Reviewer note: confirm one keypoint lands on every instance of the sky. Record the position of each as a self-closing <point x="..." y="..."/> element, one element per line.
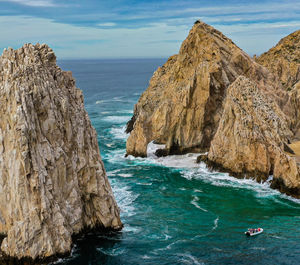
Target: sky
<point x="141" y="28"/>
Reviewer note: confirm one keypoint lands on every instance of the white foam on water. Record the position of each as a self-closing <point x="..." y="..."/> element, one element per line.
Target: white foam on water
<point x="225" y="180"/>
<point x="152" y="147"/>
<point x="128" y="111"/>
<point x="195" y="203"/>
<point x="112" y="251"/>
<point x="114" y="99"/>
<point x="119" y="132"/>
<point x="174" y="243"/>
<point x="216" y="221"/>
<point x="197" y="190"/>
<point x="278" y="237"/>
<point x="193" y="170"/>
<point x="174" y="161"/>
<point x="189" y="259"/>
<point x="113" y="172"/>
<point x="125" y="175"/>
<point x="262" y="189"/>
<point x="125" y="198"/>
<point x="117" y="119"/>
<point x="118" y="98"/>
<point x="129" y="229"/>
<point x="258" y="248"/>
<point x="144" y="183"/>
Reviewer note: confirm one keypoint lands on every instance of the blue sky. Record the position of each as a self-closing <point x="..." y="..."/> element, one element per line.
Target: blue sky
<point x="140" y="28"/>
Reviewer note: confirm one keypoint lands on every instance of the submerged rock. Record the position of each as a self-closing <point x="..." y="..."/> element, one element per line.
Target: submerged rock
<point x="184" y="102"/>
<point x="52" y="181"/>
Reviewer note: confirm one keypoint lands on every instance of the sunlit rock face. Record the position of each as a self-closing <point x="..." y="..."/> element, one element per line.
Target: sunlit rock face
<point x="52" y="180"/>
<point x="251" y="138"/>
<point x="183" y="104"/>
<point x="212" y="97"/>
<point x="284" y="61"/>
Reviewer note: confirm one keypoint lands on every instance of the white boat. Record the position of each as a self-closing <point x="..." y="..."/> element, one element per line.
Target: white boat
<point x="254" y="231"/>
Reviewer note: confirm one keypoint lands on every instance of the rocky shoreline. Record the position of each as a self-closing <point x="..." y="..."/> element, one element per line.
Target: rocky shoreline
<point x="212" y="97"/>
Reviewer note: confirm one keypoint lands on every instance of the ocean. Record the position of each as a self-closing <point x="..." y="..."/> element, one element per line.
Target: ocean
<point x="174" y="211"/>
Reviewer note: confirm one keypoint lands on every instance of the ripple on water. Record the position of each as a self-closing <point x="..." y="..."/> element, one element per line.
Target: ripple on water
<point x="196" y="204"/>
<point x="261" y="190"/>
<point x="112" y="251"/>
<point x="116" y="119"/>
<point x="187" y="258"/>
<point x="125" y="198"/>
<point x="119" y="132"/>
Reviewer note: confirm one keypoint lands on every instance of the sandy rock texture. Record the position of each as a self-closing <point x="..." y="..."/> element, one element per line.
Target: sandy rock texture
<point x="52" y="180"/>
<point x="252" y="138"/>
<point x="212" y="97"/>
<point x="284" y="61"/>
<point x="182" y="106"/>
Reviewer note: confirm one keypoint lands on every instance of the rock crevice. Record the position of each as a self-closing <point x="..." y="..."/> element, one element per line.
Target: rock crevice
<point x="53" y="183"/>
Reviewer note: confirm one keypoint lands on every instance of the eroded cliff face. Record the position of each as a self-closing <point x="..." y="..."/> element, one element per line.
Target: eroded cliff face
<point x="251" y="138"/>
<point x="183" y="104"/>
<point x="284" y="60"/>
<point x="213" y="97"/>
<point x="52" y="180"/>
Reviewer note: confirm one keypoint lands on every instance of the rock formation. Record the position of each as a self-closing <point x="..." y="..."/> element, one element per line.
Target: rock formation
<point x="251" y="139"/>
<point x="213" y="97"/>
<point x="284" y="61"/>
<point x="52" y="181"/>
<point x="182" y="106"/>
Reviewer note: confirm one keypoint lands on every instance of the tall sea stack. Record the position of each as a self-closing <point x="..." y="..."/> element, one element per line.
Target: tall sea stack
<point x="53" y="184"/>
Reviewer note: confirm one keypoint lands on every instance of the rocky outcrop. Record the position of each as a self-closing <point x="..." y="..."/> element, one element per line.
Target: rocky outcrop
<point x="284" y="60"/>
<point x="252" y="138"/>
<point x="213" y="97"/>
<point x="52" y="181"/>
<point x="183" y="104"/>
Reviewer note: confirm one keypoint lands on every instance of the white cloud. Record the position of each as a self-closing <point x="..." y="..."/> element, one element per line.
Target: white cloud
<point x="160" y="39"/>
<point x="34" y="3"/>
<point x="71" y="41"/>
<point x="107" y="24"/>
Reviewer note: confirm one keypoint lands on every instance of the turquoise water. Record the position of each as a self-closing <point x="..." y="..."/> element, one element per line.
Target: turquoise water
<point x="174" y="212"/>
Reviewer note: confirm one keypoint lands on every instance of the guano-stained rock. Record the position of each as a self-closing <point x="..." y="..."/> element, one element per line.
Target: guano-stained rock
<point x="284" y="61"/>
<point x="52" y="181"/>
<point x="252" y="135"/>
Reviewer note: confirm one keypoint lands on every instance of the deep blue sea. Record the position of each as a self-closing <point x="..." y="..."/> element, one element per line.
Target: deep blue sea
<point x="174" y="211"/>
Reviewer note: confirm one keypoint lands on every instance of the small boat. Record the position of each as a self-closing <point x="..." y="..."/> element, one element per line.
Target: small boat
<point x="254" y="232"/>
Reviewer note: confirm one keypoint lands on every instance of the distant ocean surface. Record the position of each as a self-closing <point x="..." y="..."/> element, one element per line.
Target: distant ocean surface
<point x="174" y="211"/>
